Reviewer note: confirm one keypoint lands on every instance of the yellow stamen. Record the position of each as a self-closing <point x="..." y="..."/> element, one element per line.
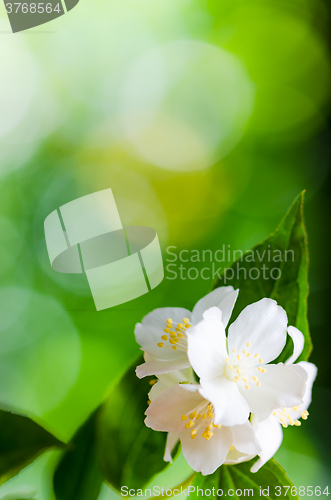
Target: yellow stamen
<point x="160" y="344"/>
<point x="255" y="378"/>
<point x="173" y="341"/>
<point x="204" y="416"/>
<point x="209" y="435"/>
<point x="194" y="414"/>
<point x="297" y="423"/>
<point x="174" y="347"/>
<point x="230" y="367"/>
<point x="197" y="417"/>
<point x="166" y="330"/>
<point x="180" y="335"/>
<point x="247" y="387"/>
<point x="256" y="355"/>
<point x="189" y="424"/>
<point x="210" y="414"/>
<point x="172" y="335"/>
<point x="186" y="320"/>
<point x="238" y="357"/>
<point x="236" y="378"/>
<point x="296" y="408"/>
<point x="244" y="351"/>
<point x="184" y="417"/>
<point x="231" y="447"/>
<point x="153" y="381"/>
<point x="188" y="326"/>
<point x="260" y="360"/>
<point x="234" y="350"/>
<point x="227" y="360"/>
<point x="258" y="384"/>
<point x="238" y="370"/>
<point x="164" y="337"/>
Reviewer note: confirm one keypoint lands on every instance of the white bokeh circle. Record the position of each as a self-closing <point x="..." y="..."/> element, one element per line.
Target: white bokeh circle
<point x="185" y="105"/>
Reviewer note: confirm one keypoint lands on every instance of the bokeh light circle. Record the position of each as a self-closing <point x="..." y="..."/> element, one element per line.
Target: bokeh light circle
<point x="40" y="351"/>
<point x="185" y="105"/>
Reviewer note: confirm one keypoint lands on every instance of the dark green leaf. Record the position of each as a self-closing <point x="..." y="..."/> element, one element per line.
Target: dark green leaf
<point x="78" y="475"/>
<point x="288" y="283"/>
<point x="131" y="453"/>
<point x="21" y="441"/>
<point x="271" y="479"/>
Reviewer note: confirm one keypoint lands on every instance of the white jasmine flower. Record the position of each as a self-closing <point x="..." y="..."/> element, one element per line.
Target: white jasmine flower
<point x="166" y="380"/>
<point x="185" y="414"/>
<point x="162" y="334"/>
<point x="269" y="431"/>
<point x="163" y="382"/>
<point x="234" y="373"/>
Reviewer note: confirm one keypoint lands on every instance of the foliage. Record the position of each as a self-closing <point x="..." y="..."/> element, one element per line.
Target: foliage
<point x="290" y="290"/>
<point x="21" y="441"/>
<point x="271" y="479"/>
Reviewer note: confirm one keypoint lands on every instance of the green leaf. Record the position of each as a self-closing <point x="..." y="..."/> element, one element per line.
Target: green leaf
<point x="131" y="453"/>
<point x="287" y="283"/>
<point x="21" y="441"/>
<point x="78" y="475"/>
<point x="271" y="479"/>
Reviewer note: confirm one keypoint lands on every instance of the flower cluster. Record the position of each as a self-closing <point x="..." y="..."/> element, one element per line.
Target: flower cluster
<point x="242" y="400"/>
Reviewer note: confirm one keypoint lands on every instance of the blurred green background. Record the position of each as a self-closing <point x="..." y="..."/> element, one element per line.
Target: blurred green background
<point x="206" y="118"/>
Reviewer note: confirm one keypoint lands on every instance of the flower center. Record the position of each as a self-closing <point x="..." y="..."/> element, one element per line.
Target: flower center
<point x="289" y="416"/>
<point x="201" y="417"/>
<point x="236" y="368"/>
<point x="174" y="336"/>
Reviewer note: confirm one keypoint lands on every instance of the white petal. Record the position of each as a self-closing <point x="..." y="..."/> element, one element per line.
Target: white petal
<point x="263" y="325"/>
<point x="172" y="439"/>
<point x="311" y="371"/>
<point x="281" y="386"/>
<point x="149" y="337"/>
<point x="158" y="317"/>
<point x="206" y="456"/>
<point x="166" y="380"/>
<point x="235" y="457"/>
<point x="165" y="412"/>
<point x="229" y="405"/>
<point x="298" y="341"/>
<point x="206" y="345"/>
<point x="270" y="435"/>
<point x="244" y="439"/>
<point x="158" y="367"/>
<point x="223" y="297"/>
